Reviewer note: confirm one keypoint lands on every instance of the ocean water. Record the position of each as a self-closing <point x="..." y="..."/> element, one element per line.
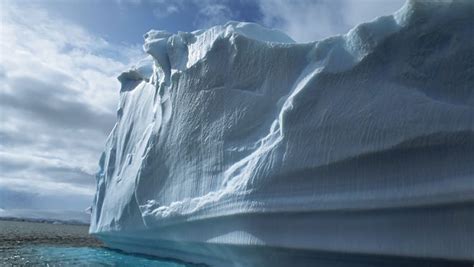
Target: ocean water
<point x="43" y="244"/>
<point x="46" y="255"/>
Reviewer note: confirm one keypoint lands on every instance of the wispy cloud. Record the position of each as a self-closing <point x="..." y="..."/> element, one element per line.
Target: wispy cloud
<point x="304" y="20"/>
<point x="164" y="9"/>
<point x="206" y="13"/>
<point x="58" y="98"/>
<point x="213" y="12"/>
<point x="311" y="20"/>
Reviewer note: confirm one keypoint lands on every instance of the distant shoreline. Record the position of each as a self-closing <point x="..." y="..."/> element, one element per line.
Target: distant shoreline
<point x="41" y="220"/>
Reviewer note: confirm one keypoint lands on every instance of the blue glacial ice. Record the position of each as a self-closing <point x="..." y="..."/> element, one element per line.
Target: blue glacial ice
<point x="236" y="138"/>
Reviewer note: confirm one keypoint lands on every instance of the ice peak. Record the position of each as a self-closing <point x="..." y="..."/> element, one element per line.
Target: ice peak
<point x="183" y="49"/>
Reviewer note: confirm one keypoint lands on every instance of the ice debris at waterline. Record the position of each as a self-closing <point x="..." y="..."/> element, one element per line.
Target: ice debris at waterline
<point x="236" y="138"/>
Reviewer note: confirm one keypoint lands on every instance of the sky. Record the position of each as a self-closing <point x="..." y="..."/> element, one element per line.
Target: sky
<point x="59" y="61"/>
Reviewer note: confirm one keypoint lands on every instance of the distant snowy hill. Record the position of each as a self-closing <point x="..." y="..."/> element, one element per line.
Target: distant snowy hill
<point x="237" y="146"/>
<point x="57" y="216"/>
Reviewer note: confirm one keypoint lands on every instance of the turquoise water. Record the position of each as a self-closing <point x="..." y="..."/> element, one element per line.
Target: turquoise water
<point x="44" y="244"/>
<point x="41" y="244"/>
<point x="40" y="255"/>
<point x="46" y="255"/>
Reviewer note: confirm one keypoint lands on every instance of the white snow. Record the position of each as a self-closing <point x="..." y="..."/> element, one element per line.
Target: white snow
<point x="236" y="135"/>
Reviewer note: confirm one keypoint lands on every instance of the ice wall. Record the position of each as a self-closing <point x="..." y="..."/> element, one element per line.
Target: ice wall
<point x="236" y="138"/>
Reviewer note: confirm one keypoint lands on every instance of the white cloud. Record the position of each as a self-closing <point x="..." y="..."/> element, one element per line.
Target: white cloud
<point x="207" y="12"/>
<point x="311" y="20"/>
<point x="213" y="13"/>
<point x="357" y="12"/>
<point x="165" y="9"/>
<point x="58" y="97"/>
<point x="303" y="20"/>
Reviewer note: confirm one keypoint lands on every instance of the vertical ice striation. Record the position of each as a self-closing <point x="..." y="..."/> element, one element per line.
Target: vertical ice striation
<point x="236" y="139"/>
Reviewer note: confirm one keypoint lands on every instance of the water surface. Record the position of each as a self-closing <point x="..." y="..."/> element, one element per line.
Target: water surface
<point x="43" y="255"/>
<point x="45" y="244"/>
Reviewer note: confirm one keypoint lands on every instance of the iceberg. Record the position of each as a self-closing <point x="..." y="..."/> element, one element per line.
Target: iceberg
<point x="236" y="146"/>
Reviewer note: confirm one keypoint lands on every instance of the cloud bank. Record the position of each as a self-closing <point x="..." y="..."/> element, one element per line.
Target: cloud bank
<point x="57" y="101"/>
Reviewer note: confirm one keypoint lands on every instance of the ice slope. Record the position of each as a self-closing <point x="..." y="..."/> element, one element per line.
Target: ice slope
<point x="237" y="146"/>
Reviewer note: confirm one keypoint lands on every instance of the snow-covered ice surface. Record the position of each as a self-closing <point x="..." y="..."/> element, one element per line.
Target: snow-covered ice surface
<point x="234" y="140"/>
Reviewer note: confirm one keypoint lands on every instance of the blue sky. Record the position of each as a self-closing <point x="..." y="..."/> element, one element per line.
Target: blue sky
<point x="58" y="66"/>
<point x="126" y="21"/>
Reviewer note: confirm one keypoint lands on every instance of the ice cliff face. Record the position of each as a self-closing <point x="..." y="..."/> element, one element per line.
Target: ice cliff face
<point x="237" y="138"/>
